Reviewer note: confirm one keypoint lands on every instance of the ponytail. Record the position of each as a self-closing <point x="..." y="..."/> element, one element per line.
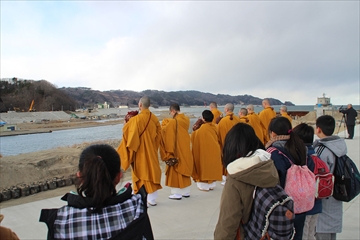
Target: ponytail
<point x="296" y="148"/>
<point x="98" y="166"/>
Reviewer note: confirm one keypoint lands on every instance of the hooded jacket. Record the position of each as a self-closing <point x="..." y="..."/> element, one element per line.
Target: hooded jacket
<point x="330" y="220"/>
<point x="237" y="196"/>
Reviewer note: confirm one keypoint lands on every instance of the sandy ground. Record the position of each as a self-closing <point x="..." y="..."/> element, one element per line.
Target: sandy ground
<point x="62" y="162"/>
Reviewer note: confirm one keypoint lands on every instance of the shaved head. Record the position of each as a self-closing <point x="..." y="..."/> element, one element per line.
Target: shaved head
<point x="144" y="102"/>
<point x="229" y="107"/>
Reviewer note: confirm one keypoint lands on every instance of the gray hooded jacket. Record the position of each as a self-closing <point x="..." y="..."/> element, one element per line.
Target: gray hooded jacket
<point x="330" y="220"/>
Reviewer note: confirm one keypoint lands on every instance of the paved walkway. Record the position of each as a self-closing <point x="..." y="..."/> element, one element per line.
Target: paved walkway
<point x="191" y="218"/>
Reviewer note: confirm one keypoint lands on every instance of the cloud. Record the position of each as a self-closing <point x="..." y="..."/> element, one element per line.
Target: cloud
<point x="292" y="51"/>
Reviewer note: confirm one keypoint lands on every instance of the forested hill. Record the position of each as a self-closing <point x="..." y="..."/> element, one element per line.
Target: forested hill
<point x="17" y="94"/>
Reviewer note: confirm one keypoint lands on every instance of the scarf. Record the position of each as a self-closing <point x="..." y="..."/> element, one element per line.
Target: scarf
<point x="277" y="138"/>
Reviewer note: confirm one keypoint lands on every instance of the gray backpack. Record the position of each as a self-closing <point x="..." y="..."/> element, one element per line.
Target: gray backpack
<point x="272" y="215"/>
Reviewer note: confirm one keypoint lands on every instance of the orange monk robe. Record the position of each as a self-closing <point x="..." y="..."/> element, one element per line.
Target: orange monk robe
<point x="258" y="127"/>
<point x="244" y="119"/>
<point x="224" y="127"/>
<point x="177" y="176"/>
<point x="141" y="153"/>
<point x="266" y="115"/>
<point x="284" y="114"/>
<point x="216" y="114"/>
<point x="164" y="122"/>
<point x="206" y="154"/>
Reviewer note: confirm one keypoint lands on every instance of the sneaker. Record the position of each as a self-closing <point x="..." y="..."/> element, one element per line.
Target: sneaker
<point x="202" y="189"/>
<point x="175" y="197"/>
<point x="186" y="195"/>
<point x="151" y="203"/>
<point x="223" y="183"/>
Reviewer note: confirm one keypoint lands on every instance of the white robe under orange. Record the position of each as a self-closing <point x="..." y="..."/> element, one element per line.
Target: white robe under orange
<point x="177" y="176"/>
<point x="206" y="154"/>
<point x="141" y="153"/>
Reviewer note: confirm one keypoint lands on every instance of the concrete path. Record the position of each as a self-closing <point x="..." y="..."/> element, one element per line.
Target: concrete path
<point x="189" y="218"/>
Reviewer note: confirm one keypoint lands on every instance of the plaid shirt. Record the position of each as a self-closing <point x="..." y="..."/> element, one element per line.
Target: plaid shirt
<point x="269" y="216"/>
<point x="76" y="223"/>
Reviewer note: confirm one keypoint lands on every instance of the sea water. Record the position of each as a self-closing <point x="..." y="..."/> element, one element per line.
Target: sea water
<point x="20" y="144"/>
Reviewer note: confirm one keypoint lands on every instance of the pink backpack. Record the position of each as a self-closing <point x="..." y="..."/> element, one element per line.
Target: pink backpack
<point x="323" y="177"/>
<point x="300" y="185"/>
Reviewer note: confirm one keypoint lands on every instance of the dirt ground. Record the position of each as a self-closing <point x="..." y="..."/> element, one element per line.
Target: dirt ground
<point x="62" y="162"/>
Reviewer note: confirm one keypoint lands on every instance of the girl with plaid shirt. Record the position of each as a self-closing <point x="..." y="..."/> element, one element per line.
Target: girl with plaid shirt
<point x="98" y="211"/>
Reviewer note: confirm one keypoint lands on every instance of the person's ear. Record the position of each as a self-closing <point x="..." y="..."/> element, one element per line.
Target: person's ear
<point x="117" y="178"/>
<point x="78" y="175"/>
<point x="272" y="134"/>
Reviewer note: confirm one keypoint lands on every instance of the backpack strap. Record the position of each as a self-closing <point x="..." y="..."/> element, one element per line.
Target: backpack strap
<point x="272" y="149"/>
<point x="320" y="149"/>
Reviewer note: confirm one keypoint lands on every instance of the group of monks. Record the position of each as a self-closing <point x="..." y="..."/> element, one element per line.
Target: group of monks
<point x="198" y="155"/>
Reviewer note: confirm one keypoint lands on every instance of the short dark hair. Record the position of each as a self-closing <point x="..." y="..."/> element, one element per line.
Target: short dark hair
<point x="207" y="115"/>
<point x="239" y="141"/>
<point x="175" y="106"/>
<point x="305" y="132"/>
<point x="326" y="123"/>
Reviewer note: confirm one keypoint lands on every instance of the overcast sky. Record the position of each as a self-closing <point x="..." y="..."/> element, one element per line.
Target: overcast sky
<point x="290" y="50"/>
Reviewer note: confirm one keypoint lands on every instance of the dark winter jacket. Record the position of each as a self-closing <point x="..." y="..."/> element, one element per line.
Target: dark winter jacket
<point x="124" y="217"/>
<point x="351" y="114"/>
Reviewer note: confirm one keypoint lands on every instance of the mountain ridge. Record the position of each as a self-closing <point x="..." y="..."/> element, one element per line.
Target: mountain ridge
<point x="17" y="95"/>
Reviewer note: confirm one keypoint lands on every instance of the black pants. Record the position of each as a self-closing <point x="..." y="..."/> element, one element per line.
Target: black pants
<point x="350" y="130"/>
<point x="299" y="223"/>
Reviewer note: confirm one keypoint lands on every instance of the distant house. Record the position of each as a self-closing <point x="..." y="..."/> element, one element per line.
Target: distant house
<point x="103" y="106"/>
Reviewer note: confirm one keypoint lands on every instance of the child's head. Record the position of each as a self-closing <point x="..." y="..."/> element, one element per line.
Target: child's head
<point x="325" y="126"/>
<point x="207" y="115"/>
<point x="280" y="126"/>
<point x="239" y="142"/>
<point x="305" y="132"/>
<point x="99" y="173"/>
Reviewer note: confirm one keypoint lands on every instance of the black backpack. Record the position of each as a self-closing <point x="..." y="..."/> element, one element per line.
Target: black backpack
<point x="347" y="177"/>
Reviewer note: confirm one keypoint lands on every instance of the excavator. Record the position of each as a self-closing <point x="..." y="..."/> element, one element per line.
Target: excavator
<point x="31" y="108"/>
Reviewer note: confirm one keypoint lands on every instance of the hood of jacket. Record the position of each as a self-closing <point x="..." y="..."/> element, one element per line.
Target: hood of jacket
<point x="77" y="201"/>
<point x="335" y="143"/>
<point x="257" y="169"/>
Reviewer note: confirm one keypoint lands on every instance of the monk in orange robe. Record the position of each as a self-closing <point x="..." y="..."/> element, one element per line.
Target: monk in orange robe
<point x="283" y="113"/>
<point x="215" y="111"/>
<point x="206" y="154"/>
<point x="175" y="142"/>
<point x="224" y="126"/>
<point x="139" y="149"/>
<point x="256" y="124"/>
<point x="266" y="114"/>
<point x="243" y="115"/>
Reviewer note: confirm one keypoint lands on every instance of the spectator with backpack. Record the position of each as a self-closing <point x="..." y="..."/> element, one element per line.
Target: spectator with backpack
<point x="306" y="133"/>
<point x="329" y="147"/>
<point x="288" y="150"/>
<point x="248" y="166"/>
